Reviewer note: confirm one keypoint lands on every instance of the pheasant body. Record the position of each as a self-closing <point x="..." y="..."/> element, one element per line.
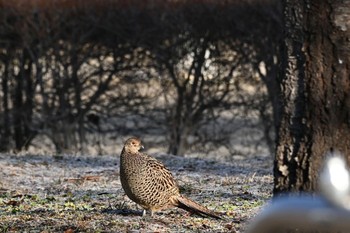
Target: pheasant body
<point x="146" y="182"/>
<point x="150" y="184"/>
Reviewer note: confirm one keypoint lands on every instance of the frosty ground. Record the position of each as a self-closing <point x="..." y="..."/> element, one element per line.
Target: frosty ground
<point x="82" y="193"/>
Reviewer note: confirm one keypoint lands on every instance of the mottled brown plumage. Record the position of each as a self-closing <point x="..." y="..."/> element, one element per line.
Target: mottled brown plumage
<point x="150" y="184"/>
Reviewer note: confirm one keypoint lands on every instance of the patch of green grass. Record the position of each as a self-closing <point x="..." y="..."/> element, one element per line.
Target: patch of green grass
<point x="228" y="207"/>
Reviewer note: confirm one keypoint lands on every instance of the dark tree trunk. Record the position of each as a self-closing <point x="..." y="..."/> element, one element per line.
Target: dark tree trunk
<point x="23" y="103"/>
<point x="315" y="89"/>
<point x="28" y="102"/>
<point x="177" y="145"/>
<point x="79" y="118"/>
<point x="18" y="108"/>
<point x="5" y="124"/>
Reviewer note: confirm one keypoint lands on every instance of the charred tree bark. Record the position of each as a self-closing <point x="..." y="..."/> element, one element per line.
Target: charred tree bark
<point x="315" y="88"/>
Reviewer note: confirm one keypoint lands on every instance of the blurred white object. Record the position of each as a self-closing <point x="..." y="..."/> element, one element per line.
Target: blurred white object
<point x="335" y="181"/>
<point x="302" y="213"/>
<point x="328" y="211"/>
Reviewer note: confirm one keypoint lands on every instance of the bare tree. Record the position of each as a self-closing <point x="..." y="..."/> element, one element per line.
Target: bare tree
<point x="205" y="64"/>
<point x="59" y="70"/>
<point x="181" y="68"/>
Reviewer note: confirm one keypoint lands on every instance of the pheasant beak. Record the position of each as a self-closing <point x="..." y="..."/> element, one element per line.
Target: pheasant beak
<point x="142" y="147"/>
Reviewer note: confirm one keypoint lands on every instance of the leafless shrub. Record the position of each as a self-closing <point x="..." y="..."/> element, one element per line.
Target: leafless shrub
<point x="188" y="70"/>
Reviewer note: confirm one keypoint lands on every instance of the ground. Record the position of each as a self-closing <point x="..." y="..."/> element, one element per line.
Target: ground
<point x="82" y="193"/>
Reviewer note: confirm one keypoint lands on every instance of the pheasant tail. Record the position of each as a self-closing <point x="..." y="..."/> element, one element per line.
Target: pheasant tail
<point x="191" y="206"/>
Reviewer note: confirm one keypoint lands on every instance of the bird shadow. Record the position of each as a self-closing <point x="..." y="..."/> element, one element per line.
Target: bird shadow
<point x="123" y="212"/>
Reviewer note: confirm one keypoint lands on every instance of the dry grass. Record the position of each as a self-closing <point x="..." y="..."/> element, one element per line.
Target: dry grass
<point x="44" y="193"/>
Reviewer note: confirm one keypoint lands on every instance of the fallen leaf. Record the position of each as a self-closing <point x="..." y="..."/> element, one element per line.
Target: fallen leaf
<point x="70" y="230"/>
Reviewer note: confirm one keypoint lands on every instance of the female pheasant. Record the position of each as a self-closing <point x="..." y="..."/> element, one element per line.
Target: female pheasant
<point x="150" y="184"/>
